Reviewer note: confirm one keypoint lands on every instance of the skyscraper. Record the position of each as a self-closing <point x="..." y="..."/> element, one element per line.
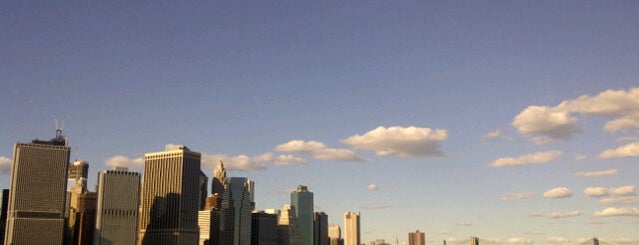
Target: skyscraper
<point x="416" y="238"/>
<point x="235" y="213"/>
<point x="351" y="229"/>
<point x="288" y="228"/>
<point x="320" y="229"/>
<point x="335" y="235"/>
<point x="170" y="197"/>
<point x="3" y="213"/>
<point x="117" y="207"/>
<point x="264" y="228"/>
<point x="38" y="192"/>
<point x="302" y="199"/>
<point x="219" y="180"/>
<point x="82" y="206"/>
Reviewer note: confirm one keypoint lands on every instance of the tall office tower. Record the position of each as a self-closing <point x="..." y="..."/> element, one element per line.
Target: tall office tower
<point x="335" y="235"/>
<point x="288" y="227"/>
<point x="302" y="199"/>
<point x="117" y="207"/>
<point x="203" y="190"/>
<point x="235" y="213"/>
<point x="170" y="197"/>
<point x="3" y="215"/>
<point x="82" y="205"/>
<point x="474" y="240"/>
<point x="38" y="192"/>
<point x="219" y="180"/>
<point x="264" y="228"/>
<point x="209" y="223"/>
<point x="351" y="229"/>
<point x="79" y="170"/>
<point x="320" y="228"/>
<point x="416" y="238"/>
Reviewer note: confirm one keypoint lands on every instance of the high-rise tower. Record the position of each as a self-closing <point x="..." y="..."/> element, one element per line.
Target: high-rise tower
<point x="320" y="228"/>
<point x="117" y="207"/>
<point x="351" y="229"/>
<point x="302" y="199"/>
<point x="170" y="197"/>
<point x="416" y="238"/>
<point x="38" y="192"/>
<point x="235" y="213"/>
<point x="335" y="235"/>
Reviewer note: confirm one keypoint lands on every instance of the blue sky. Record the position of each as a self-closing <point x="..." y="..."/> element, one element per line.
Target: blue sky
<point x="421" y="115"/>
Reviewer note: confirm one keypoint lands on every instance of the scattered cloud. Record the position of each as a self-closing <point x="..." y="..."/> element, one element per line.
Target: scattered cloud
<point x="288" y="160"/>
<point x="557" y="240"/>
<point x="519" y="240"/>
<point x="596" y="192"/>
<point x="617" y="212"/>
<point x="628" y="138"/>
<point x="545" y="124"/>
<point x="564" y="215"/>
<point x="559" y="192"/>
<point x="628" y="190"/>
<point x="629" y="150"/>
<point x="373" y="187"/>
<point x="463" y="223"/>
<point x="5" y="165"/>
<point x="122" y="161"/>
<point x="536" y="215"/>
<point x="300" y="146"/>
<point x="534" y="233"/>
<point x="609" y="172"/>
<point x="538" y="157"/>
<point x="517" y="196"/>
<point x="239" y="162"/>
<point x="376" y="207"/>
<point x="318" y="150"/>
<point x="495" y="135"/>
<point x="580" y="157"/>
<point x="618" y="200"/>
<point x="400" y="141"/>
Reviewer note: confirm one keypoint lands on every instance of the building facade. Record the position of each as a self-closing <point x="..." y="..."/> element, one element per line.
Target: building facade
<point x="264" y="228"/>
<point x="416" y="238"/>
<point x="3" y="215"/>
<point x="351" y="228"/>
<point x="170" y="197"/>
<point x="118" y="195"/>
<point x="235" y="211"/>
<point x="335" y="235"/>
<point x="37" y="193"/>
<point x="302" y="199"/>
<point x="320" y="228"/>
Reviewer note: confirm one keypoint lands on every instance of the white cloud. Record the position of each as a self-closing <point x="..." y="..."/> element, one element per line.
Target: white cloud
<point x="517" y="196"/>
<point x="463" y="223"/>
<point x="400" y="141"/>
<point x="596" y="192"/>
<point x="544" y="124"/>
<point x="288" y="160"/>
<point x="559" y="192"/>
<point x="618" y="212"/>
<point x="318" y="150"/>
<point x="609" y="172"/>
<point x="239" y="162"/>
<point x="538" y="157"/>
<point x="564" y="215"/>
<point x="629" y="150"/>
<point x="557" y="240"/>
<point x="122" y="161"/>
<point x="618" y="200"/>
<point x="628" y="190"/>
<point x="5" y="165"/>
<point x="580" y="157"/>
<point x="300" y="146"/>
<point x="373" y="187"/>
<point x="519" y="240"/>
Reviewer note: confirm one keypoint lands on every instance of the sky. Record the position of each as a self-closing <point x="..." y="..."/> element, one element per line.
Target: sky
<point x="513" y="121"/>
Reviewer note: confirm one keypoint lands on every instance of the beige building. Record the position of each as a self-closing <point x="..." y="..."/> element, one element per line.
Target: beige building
<point x="335" y="235"/>
<point x="170" y="197"/>
<point x="416" y="238"/>
<point x="351" y="229"/>
<point x="38" y="192"/>
<point x="117" y="207"/>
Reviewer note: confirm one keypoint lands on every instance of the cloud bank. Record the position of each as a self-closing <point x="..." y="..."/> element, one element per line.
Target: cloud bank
<point x="123" y="161"/>
<point x="400" y="141"/>
<point x="5" y="165"/>
<point x="517" y="196"/>
<point x="318" y="150"/>
<point x="564" y="215"/>
<point x="544" y="124"/>
<point x="609" y="172"/>
<point x="629" y="150"/>
<point x="617" y="212"/>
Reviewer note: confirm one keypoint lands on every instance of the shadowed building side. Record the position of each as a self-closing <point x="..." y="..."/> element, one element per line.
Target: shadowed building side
<point x="117" y="207"/>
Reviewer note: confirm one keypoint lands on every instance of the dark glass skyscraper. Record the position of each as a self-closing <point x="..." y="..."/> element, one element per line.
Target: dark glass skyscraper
<point x="302" y="199"/>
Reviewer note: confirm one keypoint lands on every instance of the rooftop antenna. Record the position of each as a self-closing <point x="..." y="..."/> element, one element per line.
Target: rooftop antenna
<point x="59" y="125"/>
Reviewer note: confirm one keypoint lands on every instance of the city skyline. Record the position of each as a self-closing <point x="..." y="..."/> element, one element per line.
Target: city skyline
<point x="514" y="122"/>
